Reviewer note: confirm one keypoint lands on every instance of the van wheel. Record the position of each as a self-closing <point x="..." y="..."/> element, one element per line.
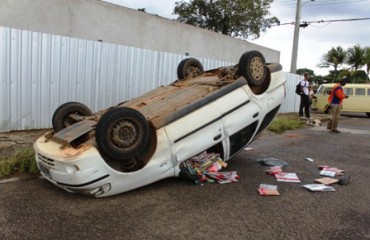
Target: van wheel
<point x="368" y="114"/>
<point x="122" y="133"/>
<point x="189" y="67"/>
<point x="252" y="66"/>
<point x="62" y="116"/>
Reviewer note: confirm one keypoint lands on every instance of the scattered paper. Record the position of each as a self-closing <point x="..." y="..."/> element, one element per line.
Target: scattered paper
<point x="326" y="180"/>
<point x="287" y="177"/>
<point x="309" y="159"/>
<point x="319" y="188"/>
<point x="268" y="190"/>
<point x="274" y="170"/>
<point x="327" y="173"/>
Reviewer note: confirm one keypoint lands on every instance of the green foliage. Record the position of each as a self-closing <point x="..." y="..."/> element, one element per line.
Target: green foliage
<point x="238" y="18"/>
<point x="356" y="56"/>
<point x="284" y="122"/>
<point x="301" y="71"/>
<point x="22" y="161"/>
<point x="359" y="76"/>
<point x="334" y="57"/>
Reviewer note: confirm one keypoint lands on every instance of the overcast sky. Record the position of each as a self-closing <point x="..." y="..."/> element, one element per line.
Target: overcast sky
<point x="314" y="40"/>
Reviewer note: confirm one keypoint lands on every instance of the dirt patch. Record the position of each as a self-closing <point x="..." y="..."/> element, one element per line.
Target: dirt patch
<point x="11" y="141"/>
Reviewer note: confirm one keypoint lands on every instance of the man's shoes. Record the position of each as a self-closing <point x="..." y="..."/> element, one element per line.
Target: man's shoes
<point x="303" y="118"/>
<point x="335" y="131"/>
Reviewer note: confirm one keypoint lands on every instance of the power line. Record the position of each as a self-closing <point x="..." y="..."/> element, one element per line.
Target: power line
<point x="323" y="21"/>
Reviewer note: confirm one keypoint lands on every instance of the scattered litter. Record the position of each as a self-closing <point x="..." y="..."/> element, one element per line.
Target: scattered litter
<point x="273" y="162"/>
<point x="274" y="170"/>
<point x="287" y="177"/>
<point x="205" y="168"/>
<point x="330" y="171"/>
<point x="309" y="159"/>
<point x="268" y="190"/>
<point x="344" y="180"/>
<point x="327" y="173"/>
<point x="326" y="180"/>
<point x="248" y="149"/>
<point x="319" y="188"/>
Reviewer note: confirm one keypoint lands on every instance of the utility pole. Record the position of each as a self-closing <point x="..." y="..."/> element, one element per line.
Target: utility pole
<point x="293" y="64"/>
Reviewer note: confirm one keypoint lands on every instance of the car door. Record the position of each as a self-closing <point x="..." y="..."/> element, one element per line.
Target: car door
<point x="195" y="132"/>
<point x="240" y="116"/>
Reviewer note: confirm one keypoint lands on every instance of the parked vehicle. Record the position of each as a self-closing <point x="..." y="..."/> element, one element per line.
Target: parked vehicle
<point x="145" y="139"/>
<point x="358" y="98"/>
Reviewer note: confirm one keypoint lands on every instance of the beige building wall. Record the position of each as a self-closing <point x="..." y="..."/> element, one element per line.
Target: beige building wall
<point x="96" y="20"/>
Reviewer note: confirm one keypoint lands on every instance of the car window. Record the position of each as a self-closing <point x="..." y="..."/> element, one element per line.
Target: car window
<point x="360" y="91"/>
<point x="368" y="91"/>
<point x="348" y="91"/>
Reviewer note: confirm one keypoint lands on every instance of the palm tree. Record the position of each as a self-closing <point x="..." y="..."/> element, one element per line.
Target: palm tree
<point x="335" y="57"/>
<point x="356" y="56"/>
<point x="367" y="59"/>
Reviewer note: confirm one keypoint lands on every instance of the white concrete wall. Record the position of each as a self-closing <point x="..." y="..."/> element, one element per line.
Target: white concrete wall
<point x="96" y="20"/>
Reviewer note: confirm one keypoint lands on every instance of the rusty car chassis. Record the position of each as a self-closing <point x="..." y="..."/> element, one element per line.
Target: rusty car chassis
<point x="145" y="139"/>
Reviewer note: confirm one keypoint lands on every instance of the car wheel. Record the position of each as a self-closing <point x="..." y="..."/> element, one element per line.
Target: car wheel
<point x="122" y="133"/>
<point x="252" y="66"/>
<point x="189" y="67"/>
<point x="368" y="114"/>
<point x="62" y="115"/>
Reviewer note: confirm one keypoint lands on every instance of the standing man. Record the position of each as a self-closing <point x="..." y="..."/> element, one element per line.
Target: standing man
<point x="335" y="99"/>
<point x="305" y="97"/>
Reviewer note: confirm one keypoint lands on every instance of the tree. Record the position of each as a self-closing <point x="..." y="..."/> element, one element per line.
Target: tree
<point x="367" y="59"/>
<point x="238" y="18"/>
<point x="356" y="56"/>
<point x="335" y="57"/>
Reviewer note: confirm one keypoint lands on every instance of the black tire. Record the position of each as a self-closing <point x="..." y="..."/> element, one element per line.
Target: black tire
<point x="122" y="133"/>
<point x="252" y="66"/>
<point x="368" y="114"/>
<point x="189" y="67"/>
<point x="61" y="115"/>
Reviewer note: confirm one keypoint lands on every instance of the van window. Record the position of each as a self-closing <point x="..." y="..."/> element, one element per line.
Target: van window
<point x="348" y="91"/>
<point x="360" y="91"/>
<point x="321" y="88"/>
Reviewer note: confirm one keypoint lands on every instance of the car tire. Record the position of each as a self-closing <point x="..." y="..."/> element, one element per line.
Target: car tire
<point x="368" y="114"/>
<point x="189" y="67"/>
<point x="122" y="134"/>
<point x="61" y="119"/>
<point x="252" y="66"/>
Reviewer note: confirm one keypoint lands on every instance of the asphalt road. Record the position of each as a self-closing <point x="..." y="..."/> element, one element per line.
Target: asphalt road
<point x="177" y="209"/>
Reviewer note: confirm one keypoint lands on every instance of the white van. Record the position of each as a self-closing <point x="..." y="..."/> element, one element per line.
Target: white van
<point x="358" y="98"/>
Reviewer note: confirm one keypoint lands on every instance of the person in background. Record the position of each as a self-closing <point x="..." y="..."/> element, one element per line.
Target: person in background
<point x="335" y="99"/>
<point x="305" y="97"/>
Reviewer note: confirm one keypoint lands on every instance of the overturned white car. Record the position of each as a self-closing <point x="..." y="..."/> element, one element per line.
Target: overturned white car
<point x="145" y="139"/>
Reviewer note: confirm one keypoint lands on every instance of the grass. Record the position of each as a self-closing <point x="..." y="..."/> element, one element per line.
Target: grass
<point x="21" y="161"/>
<point x="284" y="122"/>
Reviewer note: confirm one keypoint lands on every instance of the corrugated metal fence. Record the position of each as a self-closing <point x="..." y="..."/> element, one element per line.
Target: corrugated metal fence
<point x="38" y="72"/>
